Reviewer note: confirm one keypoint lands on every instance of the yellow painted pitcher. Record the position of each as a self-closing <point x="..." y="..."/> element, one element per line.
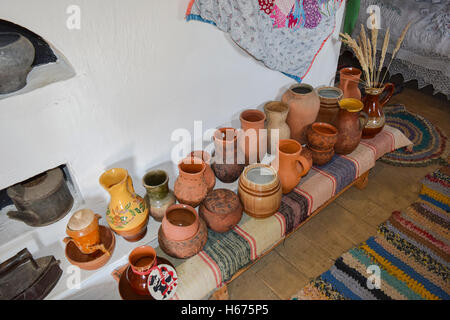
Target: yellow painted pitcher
<point x="127" y="212"/>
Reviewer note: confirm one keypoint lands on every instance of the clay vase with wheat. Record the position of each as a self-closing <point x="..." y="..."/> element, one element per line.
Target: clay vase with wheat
<point x="373" y="106"/>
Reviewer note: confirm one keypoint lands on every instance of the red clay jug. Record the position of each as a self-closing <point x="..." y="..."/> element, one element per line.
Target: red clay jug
<point x="348" y="83"/>
<point x="141" y="262"/>
<point x="373" y="106"/>
<point x="191" y="186"/>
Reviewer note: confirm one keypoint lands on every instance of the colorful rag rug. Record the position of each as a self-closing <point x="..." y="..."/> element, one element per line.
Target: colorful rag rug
<point x="411" y="253"/>
<point x="430" y="143"/>
<point x="286" y="35"/>
<point x="226" y="253"/>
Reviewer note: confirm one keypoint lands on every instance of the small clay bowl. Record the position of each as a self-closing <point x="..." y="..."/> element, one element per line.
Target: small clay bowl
<point x="180" y="222"/>
<point x="221" y="210"/>
<point x="321" y="157"/>
<point x="96" y="259"/>
<point x="186" y="248"/>
<point x="322" y="136"/>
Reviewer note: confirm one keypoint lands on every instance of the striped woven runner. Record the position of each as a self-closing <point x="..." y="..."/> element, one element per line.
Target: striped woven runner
<point x="411" y="254"/>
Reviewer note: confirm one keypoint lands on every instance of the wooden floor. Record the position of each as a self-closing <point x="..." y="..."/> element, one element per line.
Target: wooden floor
<point x="351" y="219"/>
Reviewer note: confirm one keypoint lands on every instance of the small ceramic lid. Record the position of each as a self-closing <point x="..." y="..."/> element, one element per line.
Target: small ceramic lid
<point x="351" y="104"/>
<point x="222" y="201"/>
<point x="81" y="219"/>
<point x="162" y="282"/>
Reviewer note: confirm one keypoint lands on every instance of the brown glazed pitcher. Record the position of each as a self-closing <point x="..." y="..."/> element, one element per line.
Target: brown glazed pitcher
<point x="291" y="165"/>
<point x="348" y="83"/>
<point x="350" y="123"/>
<point x="373" y="106"/>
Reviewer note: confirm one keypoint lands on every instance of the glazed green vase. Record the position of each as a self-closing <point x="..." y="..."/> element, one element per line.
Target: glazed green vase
<point x="159" y="197"/>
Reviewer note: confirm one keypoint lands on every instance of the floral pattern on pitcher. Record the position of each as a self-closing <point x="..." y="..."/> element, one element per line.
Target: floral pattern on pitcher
<point x="121" y="218"/>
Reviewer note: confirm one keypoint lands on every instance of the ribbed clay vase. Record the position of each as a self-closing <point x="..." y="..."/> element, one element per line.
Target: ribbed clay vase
<point x="159" y="197"/>
<point x="253" y="139"/>
<point x="16" y="58"/>
<point x="127" y="213"/>
<point x="227" y="166"/>
<point x="209" y="173"/>
<point x="304" y="105"/>
<point x="329" y="104"/>
<point x="276" y="114"/>
<point x="191" y="186"/>
<point x="348" y="83"/>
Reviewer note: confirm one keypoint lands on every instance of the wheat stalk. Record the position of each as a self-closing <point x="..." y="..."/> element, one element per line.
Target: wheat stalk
<point x="358" y="52"/>
<point x="374" y="49"/>
<point x="369" y="58"/>
<point x="383" y="53"/>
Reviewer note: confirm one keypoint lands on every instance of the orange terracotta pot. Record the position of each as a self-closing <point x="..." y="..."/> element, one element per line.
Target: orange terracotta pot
<point x="322" y="136"/>
<point x="180" y="222"/>
<point x="291" y="165"/>
<point x="348" y="83"/>
<point x="141" y="262"/>
<point x="191" y="187"/>
<point x="253" y="137"/>
<point x="304" y="105"/>
<point x="209" y="173"/>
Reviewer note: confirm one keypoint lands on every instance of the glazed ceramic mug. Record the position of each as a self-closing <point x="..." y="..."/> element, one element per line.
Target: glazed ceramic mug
<point x="83" y="231"/>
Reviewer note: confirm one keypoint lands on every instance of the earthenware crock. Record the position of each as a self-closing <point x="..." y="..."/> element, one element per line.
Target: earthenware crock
<point x="159" y="197"/>
<point x="209" y="173"/>
<point x="373" y="106"/>
<point x="127" y="213"/>
<point x="180" y="222"/>
<point x="291" y="164"/>
<point x="304" y="105"/>
<point x="253" y="140"/>
<point x="141" y="261"/>
<point x="348" y="83"/>
<point x="276" y="114"/>
<point x="329" y="104"/>
<point x="260" y="190"/>
<point x="350" y="123"/>
<point x="221" y="210"/>
<point x="321" y="157"/>
<point x="191" y="187"/>
<point x="322" y="136"/>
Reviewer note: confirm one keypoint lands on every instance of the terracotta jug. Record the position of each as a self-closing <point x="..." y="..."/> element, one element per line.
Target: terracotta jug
<point x="329" y="104"/>
<point x="304" y="105"/>
<point x="348" y="83"/>
<point x="191" y="187"/>
<point x="276" y="114"/>
<point x="209" y="173"/>
<point x="373" y="106"/>
<point x="159" y="197"/>
<point x="253" y="138"/>
<point x="290" y="164"/>
<point x="127" y="213"/>
<point x="142" y="260"/>
<point x="350" y="123"/>
<point x="227" y="166"/>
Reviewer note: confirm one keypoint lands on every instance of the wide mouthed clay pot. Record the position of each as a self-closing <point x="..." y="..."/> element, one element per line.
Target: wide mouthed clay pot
<point x="227" y="166"/>
<point x="291" y="164"/>
<point x="180" y="222"/>
<point x="254" y="138"/>
<point x="159" y="197"/>
<point x="141" y="261"/>
<point x="321" y="157"/>
<point x="260" y="191"/>
<point x="304" y="105"/>
<point x="322" y="136"/>
<point x="127" y="213"/>
<point x="221" y="210"/>
<point x="191" y="186"/>
<point x="348" y="83"/>
<point x="209" y="173"/>
<point x="329" y="104"/>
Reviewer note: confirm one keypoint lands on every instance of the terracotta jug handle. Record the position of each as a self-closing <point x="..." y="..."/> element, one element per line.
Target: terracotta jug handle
<point x="389" y="89"/>
<point x="130" y="184"/>
<point x="97" y="216"/>
<point x="66" y="240"/>
<point x="100" y="247"/>
<point x="305" y="164"/>
<point x="365" y="118"/>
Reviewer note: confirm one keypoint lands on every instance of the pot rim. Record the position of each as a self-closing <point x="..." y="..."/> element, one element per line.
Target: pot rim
<point x="193" y="225"/>
<point x="336" y="89"/>
<point x="112" y="172"/>
<point x="201" y="162"/>
<point x="260" y="165"/>
<point x="254" y="112"/>
<point x="301" y="85"/>
<point x="320" y="151"/>
<point x="268" y="105"/>
<point x="218" y="134"/>
<point x="205" y="156"/>
<point x="357" y="104"/>
<point x="155" y="172"/>
<point x="285" y="141"/>
<point x="353" y="71"/>
<point x="144" y="249"/>
<point x="326" y="125"/>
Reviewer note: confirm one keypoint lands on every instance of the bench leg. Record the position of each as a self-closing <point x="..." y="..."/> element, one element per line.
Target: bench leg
<point x="221" y="293"/>
<point x="362" y="181"/>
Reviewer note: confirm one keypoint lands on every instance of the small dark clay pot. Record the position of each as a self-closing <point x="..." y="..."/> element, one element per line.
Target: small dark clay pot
<point x="221" y="210"/>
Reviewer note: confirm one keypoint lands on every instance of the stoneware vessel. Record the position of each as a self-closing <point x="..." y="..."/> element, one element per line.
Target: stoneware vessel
<point x="322" y="136"/>
<point x="209" y="173"/>
<point x="141" y="262"/>
<point x="276" y="114"/>
<point x="348" y="83"/>
<point x="191" y="187"/>
<point x="127" y="213"/>
<point x="97" y="259"/>
<point x="83" y="230"/>
<point x="254" y="138"/>
<point x="304" y="105"/>
<point x="159" y="197"/>
<point x="16" y="58"/>
<point x="260" y="190"/>
<point x="321" y="157"/>
<point x="329" y="104"/>
<point x="185" y="248"/>
<point x="350" y="123"/>
<point x="373" y="106"/>
<point x="291" y="164"/>
<point x="180" y="222"/>
<point x="221" y="210"/>
<point x="227" y="166"/>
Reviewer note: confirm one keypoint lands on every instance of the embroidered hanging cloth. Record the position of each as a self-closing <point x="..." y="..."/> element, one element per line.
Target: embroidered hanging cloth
<point x="286" y="35"/>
